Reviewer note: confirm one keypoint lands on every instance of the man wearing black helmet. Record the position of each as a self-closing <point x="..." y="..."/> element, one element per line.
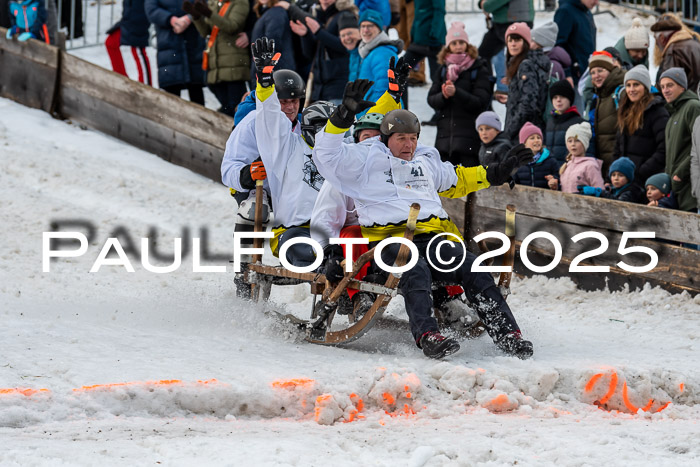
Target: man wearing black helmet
<point x="384" y="180"/>
<point x="242" y="166"/>
<point x="291" y="173"/>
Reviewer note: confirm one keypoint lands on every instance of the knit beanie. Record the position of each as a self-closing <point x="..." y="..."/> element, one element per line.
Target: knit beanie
<point x="528" y="130"/>
<point x="489" y="118"/>
<point x="661" y="181"/>
<point x="373" y="16"/>
<point x="562" y="88"/>
<point x="521" y="29"/>
<point x="641" y="74"/>
<point x="582" y="132"/>
<point x="546" y="35"/>
<point x="601" y="59"/>
<point x="677" y="74"/>
<point x="457" y="32"/>
<point x="347" y="21"/>
<point x="625" y="166"/>
<point x="637" y="36"/>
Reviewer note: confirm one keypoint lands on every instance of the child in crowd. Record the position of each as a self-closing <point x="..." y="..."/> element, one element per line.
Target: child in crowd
<point x="28" y="19"/>
<point x="622" y="189"/>
<point x="659" y="192"/>
<point x="578" y="168"/>
<point x="543" y="165"/>
<point x="494" y="144"/>
<point x="564" y="114"/>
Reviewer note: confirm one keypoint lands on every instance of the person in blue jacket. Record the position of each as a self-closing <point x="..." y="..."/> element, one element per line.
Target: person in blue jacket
<point x="180" y="49"/>
<point x="380" y="6"/>
<point x="577" y="32"/>
<point x="273" y="23"/>
<point x="375" y="49"/>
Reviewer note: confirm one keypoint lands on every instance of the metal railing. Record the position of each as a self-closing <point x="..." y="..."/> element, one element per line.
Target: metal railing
<point x="96" y="16"/>
<point x="686" y="9"/>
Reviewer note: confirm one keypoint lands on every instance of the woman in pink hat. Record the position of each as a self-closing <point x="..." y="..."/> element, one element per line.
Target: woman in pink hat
<point x="528" y="81"/>
<point x="461" y="90"/>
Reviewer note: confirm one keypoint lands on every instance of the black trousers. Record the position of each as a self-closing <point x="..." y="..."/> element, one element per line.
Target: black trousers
<point x="195" y="90"/>
<point x="479" y="287"/>
<point x="229" y="94"/>
<point x="415" y="53"/>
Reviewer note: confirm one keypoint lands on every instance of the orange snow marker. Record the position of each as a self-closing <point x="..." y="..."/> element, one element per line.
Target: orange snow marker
<point x="388" y="398"/>
<point x="355" y="413"/>
<point x="320" y="400"/>
<point x="611" y="389"/>
<point x="681" y="387"/>
<point x="591" y="382"/>
<point x="27" y="392"/>
<point x="630" y="406"/>
<point x="163" y="382"/>
<point x="293" y="383"/>
<point x="625" y="397"/>
<point x="663" y="406"/>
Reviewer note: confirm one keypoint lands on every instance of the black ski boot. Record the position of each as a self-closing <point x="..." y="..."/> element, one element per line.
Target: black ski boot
<point x="513" y="344"/>
<point x="362" y="302"/>
<point x="344" y="305"/>
<point x="435" y="345"/>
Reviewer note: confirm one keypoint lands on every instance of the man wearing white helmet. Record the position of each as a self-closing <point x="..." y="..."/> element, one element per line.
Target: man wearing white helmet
<point x="384" y="180"/>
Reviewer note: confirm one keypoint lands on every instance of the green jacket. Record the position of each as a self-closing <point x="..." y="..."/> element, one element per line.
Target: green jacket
<point x="429" y="23"/>
<point x="508" y="11"/>
<point x="605" y="121"/>
<point x="226" y="61"/>
<point x="625" y="55"/>
<point x="684" y="110"/>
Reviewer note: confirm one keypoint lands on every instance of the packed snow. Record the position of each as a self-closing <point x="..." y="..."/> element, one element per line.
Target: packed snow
<point x="127" y="368"/>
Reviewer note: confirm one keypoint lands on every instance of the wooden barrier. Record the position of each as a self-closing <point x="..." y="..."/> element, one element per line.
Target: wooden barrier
<point x="566" y="215"/>
<point x="42" y="76"/>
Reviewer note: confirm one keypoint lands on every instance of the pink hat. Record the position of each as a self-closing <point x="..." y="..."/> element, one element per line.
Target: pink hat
<point x="528" y="130"/>
<point x="457" y="32"/>
<point x="521" y="29"/>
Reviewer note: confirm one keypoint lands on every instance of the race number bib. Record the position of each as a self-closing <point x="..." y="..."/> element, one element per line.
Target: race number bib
<point x="413" y="176"/>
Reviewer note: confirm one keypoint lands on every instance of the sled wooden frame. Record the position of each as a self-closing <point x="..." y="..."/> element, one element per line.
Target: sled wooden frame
<point x="262" y="277"/>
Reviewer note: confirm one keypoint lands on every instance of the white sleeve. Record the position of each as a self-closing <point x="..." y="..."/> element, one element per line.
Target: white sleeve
<point x="241" y="150"/>
<point x="444" y="174"/>
<point x="273" y="131"/>
<point x="330" y="214"/>
<point x="342" y="165"/>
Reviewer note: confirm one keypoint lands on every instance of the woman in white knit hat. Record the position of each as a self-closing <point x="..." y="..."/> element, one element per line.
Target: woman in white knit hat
<point x="634" y="45"/>
<point x="641" y="121"/>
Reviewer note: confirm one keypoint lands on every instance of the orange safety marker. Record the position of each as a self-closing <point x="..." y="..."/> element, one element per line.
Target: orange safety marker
<point x="27" y="392"/>
<point x="293" y="383"/>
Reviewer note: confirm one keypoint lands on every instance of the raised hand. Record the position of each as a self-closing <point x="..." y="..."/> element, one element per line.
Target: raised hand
<point x="265" y="60"/>
<point x="398" y="77"/>
<point x="353" y="103"/>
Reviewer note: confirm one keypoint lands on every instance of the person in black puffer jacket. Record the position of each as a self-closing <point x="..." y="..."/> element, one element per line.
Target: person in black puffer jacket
<point x="564" y="114"/>
<point x="528" y="82"/>
<point x="494" y="144"/>
<point x="273" y="23"/>
<point x="543" y="167"/>
<point x="463" y="91"/>
<point x="641" y="120"/>
<point x="320" y="42"/>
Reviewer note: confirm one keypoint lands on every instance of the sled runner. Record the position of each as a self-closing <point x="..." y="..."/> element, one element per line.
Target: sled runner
<point x="328" y="327"/>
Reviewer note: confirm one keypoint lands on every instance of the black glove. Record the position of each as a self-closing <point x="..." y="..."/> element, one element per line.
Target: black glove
<point x="353" y="103"/>
<point x="248" y="176"/>
<point x="265" y="60"/>
<point x="334" y="255"/>
<point x="498" y="174"/>
<point x="188" y="7"/>
<point x="398" y="78"/>
<point x="395" y="18"/>
<point x="201" y="8"/>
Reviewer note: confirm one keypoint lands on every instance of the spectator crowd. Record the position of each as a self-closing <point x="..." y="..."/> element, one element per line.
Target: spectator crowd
<point x="596" y="120"/>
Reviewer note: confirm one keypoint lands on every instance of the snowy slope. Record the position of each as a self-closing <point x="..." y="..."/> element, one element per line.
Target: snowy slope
<point x="69" y="328"/>
<point x="277" y="400"/>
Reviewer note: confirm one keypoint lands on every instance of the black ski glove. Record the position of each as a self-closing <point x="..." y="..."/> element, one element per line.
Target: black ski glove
<point x="202" y="9"/>
<point x="188" y="7"/>
<point x="398" y="78"/>
<point x="265" y="60"/>
<point x="353" y="103"/>
<point x="334" y="256"/>
<point x="498" y="174"/>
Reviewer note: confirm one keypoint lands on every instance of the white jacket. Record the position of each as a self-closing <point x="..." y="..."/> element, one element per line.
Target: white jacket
<point x="292" y="175"/>
<point x="332" y="211"/>
<point x="241" y="150"/>
<point x="384" y="187"/>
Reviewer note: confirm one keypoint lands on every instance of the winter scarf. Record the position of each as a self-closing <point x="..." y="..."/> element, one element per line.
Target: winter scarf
<point x="457" y="63"/>
<point x="366" y="47"/>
